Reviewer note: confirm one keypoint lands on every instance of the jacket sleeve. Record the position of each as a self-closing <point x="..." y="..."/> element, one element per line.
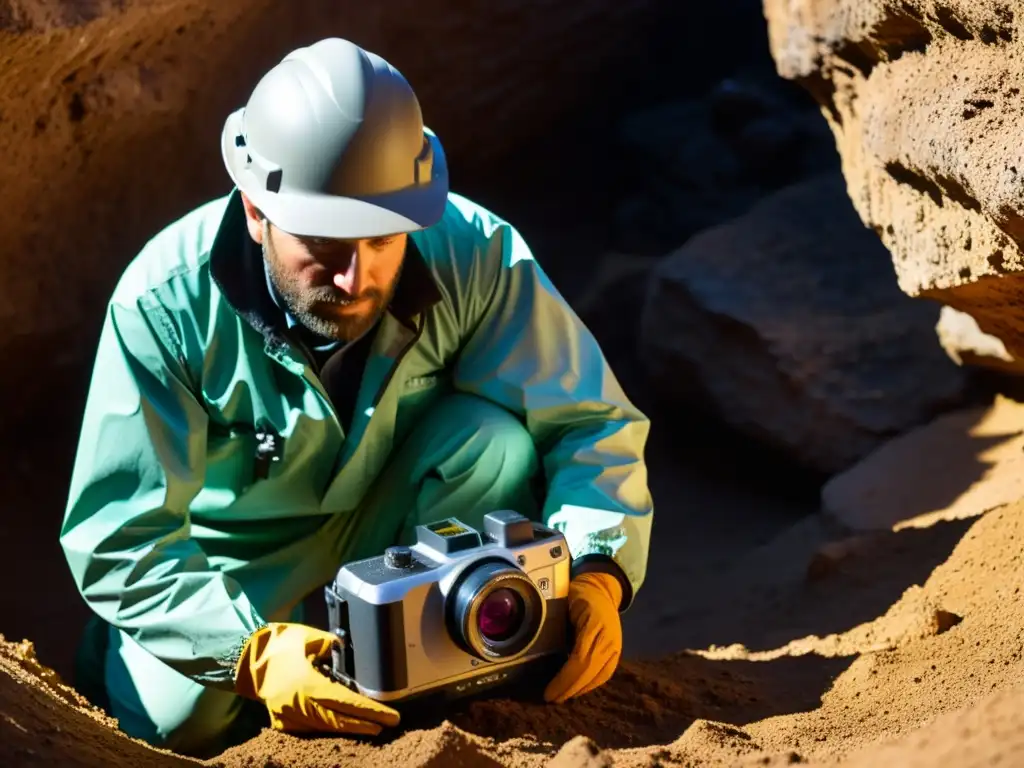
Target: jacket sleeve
<point x="140" y="463"/>
<point x="530" y="353"/>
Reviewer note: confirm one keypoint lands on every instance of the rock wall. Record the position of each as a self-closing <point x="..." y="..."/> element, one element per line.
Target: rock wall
<point x="925" y="98"/>
<point x="112" y="114"/>
<point x="787" y="321"/>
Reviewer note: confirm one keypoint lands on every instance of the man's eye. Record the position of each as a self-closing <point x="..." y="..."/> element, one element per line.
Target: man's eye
<point x="325" y="243"/>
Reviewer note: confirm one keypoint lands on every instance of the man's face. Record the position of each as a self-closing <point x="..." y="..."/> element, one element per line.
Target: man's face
<point x="336" y="288"/>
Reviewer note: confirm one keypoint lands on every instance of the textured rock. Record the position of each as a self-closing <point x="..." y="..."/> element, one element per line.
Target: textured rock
<point x="790" y="322"/>
<point x="112" y="114"/>
<point x="925" y="99"/>
<point x="580" y="752"/>
<point x="961" y="465"/>
<point x="967" y="344"/>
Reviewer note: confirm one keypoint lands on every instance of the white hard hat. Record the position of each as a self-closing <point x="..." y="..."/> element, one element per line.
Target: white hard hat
<point x="332" y="144"/>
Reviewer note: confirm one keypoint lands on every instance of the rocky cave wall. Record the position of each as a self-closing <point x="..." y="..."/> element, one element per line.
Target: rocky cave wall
<point x="925" y="99"/>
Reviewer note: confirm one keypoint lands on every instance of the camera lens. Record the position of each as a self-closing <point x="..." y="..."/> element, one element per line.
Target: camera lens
<point x="495" y="611"/>
<point x="500" y="615"/>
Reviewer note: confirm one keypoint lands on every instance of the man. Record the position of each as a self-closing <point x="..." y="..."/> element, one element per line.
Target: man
<point x="295" y="376"/>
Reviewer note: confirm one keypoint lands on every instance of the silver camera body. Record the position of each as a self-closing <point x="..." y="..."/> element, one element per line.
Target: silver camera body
<point x="457" y="613"/>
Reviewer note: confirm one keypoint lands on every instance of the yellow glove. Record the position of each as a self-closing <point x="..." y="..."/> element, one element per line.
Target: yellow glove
<point x="594" y="600"/>
<point x="276" y="667"/>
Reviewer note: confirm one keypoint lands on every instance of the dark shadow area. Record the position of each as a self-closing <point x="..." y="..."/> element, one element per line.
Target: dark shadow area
<point x="854" y="584"/>
<point x="565" y="189"/>
<point x="801" y="584"/>
<point x="917" y="475"/>
<point x="39" y="601"/>
<point x="645" y="705"/>
<point x="684" y="433"/>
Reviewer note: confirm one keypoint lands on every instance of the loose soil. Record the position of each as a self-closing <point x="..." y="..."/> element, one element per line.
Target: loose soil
<point x="881" y="649"/>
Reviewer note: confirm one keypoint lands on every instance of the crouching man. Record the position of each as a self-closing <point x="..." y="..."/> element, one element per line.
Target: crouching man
<point x="296" y="375"/>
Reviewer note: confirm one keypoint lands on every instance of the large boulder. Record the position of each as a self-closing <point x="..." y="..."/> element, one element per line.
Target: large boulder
<point x="924" y="99"/>
<point x="789" y="323"/>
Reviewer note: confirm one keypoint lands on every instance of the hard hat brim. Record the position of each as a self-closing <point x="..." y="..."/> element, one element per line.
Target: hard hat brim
<point x="321" y="215"/>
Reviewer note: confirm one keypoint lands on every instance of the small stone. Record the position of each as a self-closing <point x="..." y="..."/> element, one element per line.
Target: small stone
<point x="580" y="752"/>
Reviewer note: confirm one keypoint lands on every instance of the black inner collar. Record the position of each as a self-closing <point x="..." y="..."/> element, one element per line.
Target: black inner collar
<point x="236" y="266"/>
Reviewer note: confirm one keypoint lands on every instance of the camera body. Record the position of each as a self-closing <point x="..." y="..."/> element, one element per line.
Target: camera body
<point x="457" y="613"/>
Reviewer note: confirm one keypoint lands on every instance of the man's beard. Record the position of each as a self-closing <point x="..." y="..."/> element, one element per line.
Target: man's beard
<point x="316" y="308"/>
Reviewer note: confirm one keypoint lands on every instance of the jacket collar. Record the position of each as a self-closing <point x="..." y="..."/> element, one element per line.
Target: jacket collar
<point x="238" y="269"/>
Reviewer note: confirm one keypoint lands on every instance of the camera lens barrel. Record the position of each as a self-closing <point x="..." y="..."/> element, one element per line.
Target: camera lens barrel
<point x="496" y="611"/>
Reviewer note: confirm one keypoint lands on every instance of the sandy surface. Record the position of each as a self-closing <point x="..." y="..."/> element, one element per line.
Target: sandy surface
<point x="892" y="647"/>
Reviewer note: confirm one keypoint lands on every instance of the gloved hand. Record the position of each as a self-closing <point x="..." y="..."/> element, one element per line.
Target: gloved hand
<point x="276" y="667"/>
<point x="594" y="600"/>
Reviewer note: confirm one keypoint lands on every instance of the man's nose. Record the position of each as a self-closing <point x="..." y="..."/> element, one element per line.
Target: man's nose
<point x="346" y="275"/>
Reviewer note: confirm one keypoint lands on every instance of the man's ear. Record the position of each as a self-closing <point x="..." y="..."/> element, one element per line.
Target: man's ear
<point x="253" y="219"/>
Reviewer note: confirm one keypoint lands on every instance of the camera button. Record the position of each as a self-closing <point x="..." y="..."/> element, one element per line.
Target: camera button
<point x="556" y="551"/>
<point x="398" y="557"/>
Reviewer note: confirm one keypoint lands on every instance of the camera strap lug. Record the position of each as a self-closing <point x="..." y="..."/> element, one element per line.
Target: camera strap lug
<point x="342" y="663"/>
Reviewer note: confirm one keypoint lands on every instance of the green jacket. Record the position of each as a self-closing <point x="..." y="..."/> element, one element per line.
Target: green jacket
<point x="178" y="534"/>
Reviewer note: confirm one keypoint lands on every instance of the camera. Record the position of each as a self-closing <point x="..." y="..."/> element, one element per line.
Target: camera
<point x="458" y="613"/>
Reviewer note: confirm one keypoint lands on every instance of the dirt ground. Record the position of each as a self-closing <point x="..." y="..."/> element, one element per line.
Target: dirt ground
<point x="882" y="649"/>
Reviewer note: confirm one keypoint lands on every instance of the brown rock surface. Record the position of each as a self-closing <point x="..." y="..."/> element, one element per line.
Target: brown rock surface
<point x="925" y="100"/>
<point x="788" y="319"/>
